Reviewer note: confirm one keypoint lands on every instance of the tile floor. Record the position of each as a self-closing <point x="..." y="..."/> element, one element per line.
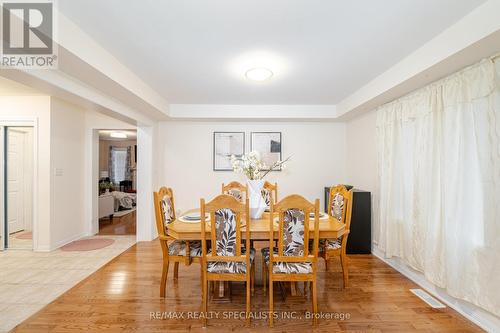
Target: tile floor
<point x="16" y="243"/>
<point x="30" y="280"/>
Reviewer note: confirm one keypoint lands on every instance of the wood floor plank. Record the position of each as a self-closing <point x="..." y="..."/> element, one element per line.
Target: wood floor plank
<point x="123" y="225"/>
<point x="121" y="297"/>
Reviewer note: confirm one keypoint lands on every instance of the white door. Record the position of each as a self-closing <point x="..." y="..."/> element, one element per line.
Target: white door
<point x="15" y="180"/>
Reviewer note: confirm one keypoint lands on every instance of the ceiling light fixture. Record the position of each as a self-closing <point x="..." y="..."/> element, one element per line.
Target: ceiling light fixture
<point x="259" y="74"/>
<point x="118" y="135"/>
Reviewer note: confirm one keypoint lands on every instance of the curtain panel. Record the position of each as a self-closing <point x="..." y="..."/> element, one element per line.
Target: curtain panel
<point x="119" y="164"/>
<point x="439" y="179"/>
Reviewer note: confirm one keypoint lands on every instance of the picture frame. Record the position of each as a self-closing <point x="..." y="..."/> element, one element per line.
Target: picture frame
<point x="226" y="144"/>
<point x="269" y="145"/>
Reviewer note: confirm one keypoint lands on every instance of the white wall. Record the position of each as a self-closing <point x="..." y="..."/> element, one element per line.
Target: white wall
<point x="186" y="152"/>
<point x="148" y="165"/>
<point x="67" y="177"/>
<point x="37" y="109"/>
<point x="361" y="159"/>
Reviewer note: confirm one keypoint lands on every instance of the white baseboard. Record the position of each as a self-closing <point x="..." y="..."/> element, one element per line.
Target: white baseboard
<point x="478" y="316"/>
<point x="42" y="249"/>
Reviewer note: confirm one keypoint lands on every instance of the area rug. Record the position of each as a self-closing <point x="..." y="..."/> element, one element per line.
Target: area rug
<point x="88" y="244"/>
<point x="24" y="235"/>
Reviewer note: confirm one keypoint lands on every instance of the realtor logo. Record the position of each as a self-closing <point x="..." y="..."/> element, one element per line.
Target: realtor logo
<point x="27" y="35"/>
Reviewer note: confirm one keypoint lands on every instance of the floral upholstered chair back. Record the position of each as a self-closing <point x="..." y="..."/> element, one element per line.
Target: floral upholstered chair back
<point x="270" y="193"/>
<point x="227" y="216"/>
<point x="164" y="208"/>
<point x="236" y="190"/>
<point x="294" y="216"/>
<point x="293" y="232"/>
<point x="225" y="232"/>
<point x="340" y="200"/>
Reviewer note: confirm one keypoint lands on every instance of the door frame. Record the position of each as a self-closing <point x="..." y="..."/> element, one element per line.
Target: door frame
<point x="22" y="122"/>
<point x="145" y="181"/>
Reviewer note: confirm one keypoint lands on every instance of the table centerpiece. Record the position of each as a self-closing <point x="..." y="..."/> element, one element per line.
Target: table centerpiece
<point x="252" y="166"/>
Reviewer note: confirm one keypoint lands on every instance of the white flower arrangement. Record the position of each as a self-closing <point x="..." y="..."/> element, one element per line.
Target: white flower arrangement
<point x="252" y="166"/>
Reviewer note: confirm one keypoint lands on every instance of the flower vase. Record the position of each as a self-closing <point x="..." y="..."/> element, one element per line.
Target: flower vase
<point x="256" y="201"/>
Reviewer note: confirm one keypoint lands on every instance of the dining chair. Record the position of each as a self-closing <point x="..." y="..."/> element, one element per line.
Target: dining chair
<point x="340" y="208"/>
<point x="270" y="193"/>
<point x="291" y="260"/>
<point x="175" y="251"/>
<point x="228" y="260"/>
<point x="236" y="190"/>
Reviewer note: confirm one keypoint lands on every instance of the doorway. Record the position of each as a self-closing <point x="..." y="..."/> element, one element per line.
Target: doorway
<point x="18" y="187"/>
<point x="117" y="182"/>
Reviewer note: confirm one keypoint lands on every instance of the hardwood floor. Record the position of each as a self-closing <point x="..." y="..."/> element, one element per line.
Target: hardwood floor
<point x="124" y="225"/>
<point x="123" y="296"/>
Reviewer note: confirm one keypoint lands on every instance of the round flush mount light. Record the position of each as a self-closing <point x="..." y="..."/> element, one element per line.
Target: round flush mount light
<point x="259" y="74"/>
<point x="118" y="135"/>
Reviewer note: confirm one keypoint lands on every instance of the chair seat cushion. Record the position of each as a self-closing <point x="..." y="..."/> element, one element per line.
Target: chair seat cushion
<point x="332" y="243"/>
<point x="231" y="266"/>
<point x="286" y="267"/>
<point x="178" y="248"/>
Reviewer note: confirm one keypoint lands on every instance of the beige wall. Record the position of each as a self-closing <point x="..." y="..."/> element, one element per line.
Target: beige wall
<point x="186" y="150"/>
<point x="68" y="172"/>
<point x="361" y="159"/>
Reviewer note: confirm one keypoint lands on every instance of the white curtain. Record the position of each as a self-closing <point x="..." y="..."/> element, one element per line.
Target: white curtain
<point x="119" y="164"/>
<point x="439" y="178"/>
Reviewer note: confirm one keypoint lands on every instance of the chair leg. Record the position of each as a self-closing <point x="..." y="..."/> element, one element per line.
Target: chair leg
<point x="176" y="271"/>
<point x="248" y="300"/>
<point x="314" y="302"/>
<point x="264" y="275"/>
<point x="201" y="285"/>
<point x="163" y="282"/>
<point x="345" y="269"/>
<point x="271" y="324"/>
<point x="204" y="289"/>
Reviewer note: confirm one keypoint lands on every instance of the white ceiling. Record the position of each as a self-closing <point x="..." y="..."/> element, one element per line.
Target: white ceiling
<point x="194" y="52"/>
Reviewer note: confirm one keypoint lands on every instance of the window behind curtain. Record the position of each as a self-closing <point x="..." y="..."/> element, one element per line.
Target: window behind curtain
<point x="118" y="164"/>
<point x="439" y="185"/>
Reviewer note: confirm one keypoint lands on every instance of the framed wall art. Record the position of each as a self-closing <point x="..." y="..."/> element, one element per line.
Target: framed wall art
<point x="268" y="144"/>
<point x="225" y="145"/>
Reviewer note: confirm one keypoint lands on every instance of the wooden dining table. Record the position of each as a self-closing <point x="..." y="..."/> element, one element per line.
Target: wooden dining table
<point x="259" y="228"/>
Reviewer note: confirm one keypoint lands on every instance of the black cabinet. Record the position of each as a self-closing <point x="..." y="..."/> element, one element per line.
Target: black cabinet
<point x="360" y="237"/>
